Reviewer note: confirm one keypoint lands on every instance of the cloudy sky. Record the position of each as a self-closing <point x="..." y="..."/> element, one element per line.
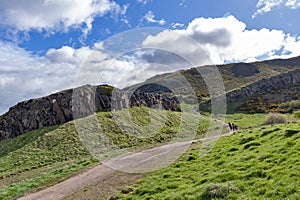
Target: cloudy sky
<point x="50" y="45"/>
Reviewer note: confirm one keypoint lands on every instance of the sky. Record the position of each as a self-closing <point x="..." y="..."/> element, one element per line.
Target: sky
<point x="50" y="45"/>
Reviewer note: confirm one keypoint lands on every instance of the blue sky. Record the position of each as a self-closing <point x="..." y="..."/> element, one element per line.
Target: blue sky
<point x="45" y="44"/>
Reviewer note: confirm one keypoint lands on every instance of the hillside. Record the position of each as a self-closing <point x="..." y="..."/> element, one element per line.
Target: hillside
<point x="46" y="156"/>
<point x="64" y="106"/>
<point x="240" y="80"/>
<point x="41" y="143"/>
<point x="254" y="163"/>
<point x="262" y="163"/>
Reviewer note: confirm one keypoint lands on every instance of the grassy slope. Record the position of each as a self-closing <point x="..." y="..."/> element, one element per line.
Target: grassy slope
<point x="262" y="163"/>
<point x="46" y="156"/>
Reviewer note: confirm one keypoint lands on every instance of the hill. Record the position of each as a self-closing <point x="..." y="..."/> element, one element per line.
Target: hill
<point x="242" y="81"/>
<point x="254" y="163"/>
<point x="67" y="105"/>
<point x="247" y="87"/>
<point x="40" y="144"/>
<point x="261" y="163"/>
<point x="49" y="155"/>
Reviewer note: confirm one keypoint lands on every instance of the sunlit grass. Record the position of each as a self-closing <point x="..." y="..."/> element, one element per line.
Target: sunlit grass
<point x="49" y="155"/>
<point x="262" y="163"/>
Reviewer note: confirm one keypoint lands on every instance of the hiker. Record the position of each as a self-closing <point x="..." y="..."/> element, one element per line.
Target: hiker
<point x="234" y="127"/>
<point x="230" y="126"/>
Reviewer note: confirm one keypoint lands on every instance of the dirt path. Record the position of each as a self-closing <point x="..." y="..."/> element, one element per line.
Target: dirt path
<point x="143" y="161"/>
<point x="71" y="185"/>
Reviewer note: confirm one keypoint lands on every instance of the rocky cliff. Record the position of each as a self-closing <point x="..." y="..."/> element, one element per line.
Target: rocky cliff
<point x="263" y="86"/>
<point x="70" y="104"/>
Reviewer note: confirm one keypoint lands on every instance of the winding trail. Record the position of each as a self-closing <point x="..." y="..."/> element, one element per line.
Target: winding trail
<point x="142" y="161"/>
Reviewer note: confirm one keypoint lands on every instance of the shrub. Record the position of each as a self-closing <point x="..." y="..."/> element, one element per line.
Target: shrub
<point x="276" y="118"/>
<point x="295" y="104"/>
<point x="214" y="191"/>
<point x="290" y="106"/>
<point x="297" y="114"/>
<point x="284" y="105"/>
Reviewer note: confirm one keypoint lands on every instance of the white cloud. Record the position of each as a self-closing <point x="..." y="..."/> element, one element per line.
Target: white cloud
<point x="224" y="40"/>
<point x="293" y="4"/>
<point x="25" y="76"/>
<point x="55" y="15"/>
<point x="70" y="55"/>
<point x="143" y="2"/>
<point x="150" y="17"/>
<point x="176" y="25"/>
<point x="264" y="6"/>
<point x="183" y="3"/>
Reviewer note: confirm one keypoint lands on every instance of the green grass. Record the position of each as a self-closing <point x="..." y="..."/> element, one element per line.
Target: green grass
<point x="43" y="158"/>
<point x="261" y="163"/>
<point x="246" y="120"/>
<point x="49" y="155"/>
<point x="16" y="143"/>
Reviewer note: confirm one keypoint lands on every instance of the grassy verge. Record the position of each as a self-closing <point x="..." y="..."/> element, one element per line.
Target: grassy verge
<point x="262" y="163"/>
<point x="246" y="121"/>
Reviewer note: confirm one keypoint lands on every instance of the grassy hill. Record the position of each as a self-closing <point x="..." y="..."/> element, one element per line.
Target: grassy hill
<point x="46" y="156"/>
<point x="259" y="163"/>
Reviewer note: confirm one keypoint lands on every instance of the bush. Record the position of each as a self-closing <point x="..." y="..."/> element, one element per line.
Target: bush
<point x="214" y="191"/>
<point x="284" y="105"/>
<point x="297" y="114"/>
<point x="290" y="106"/>
<point x="276" y="118"/>
<point x="295" y="104"/>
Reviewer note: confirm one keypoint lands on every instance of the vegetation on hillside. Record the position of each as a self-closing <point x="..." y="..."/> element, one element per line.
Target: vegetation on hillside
<point x="235" y="76"/>
<point x="285" y="100"/>
<point x="49" y="155"/>
<point x="262" y="163"/>
<point x="276" y="118"/>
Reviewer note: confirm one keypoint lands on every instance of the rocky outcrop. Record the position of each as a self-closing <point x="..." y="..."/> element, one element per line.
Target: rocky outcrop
<point x="71" y="104"/>
<point x="265" y="85"/>
<point x="244" y="69"/>
<point x="289" y="79"/>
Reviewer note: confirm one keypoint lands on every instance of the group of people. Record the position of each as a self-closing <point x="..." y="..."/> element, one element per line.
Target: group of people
<point x="232" y="126"/>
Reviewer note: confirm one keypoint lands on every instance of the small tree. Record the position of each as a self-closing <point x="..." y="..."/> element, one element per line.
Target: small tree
<point x="276" y="118"/>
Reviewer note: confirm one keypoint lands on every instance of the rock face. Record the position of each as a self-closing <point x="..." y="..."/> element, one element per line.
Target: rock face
<point x="71" y="104"/>
<point x="274" y="83"/>
<point x="244" y="70"/>
<point x="289" y="79"/>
